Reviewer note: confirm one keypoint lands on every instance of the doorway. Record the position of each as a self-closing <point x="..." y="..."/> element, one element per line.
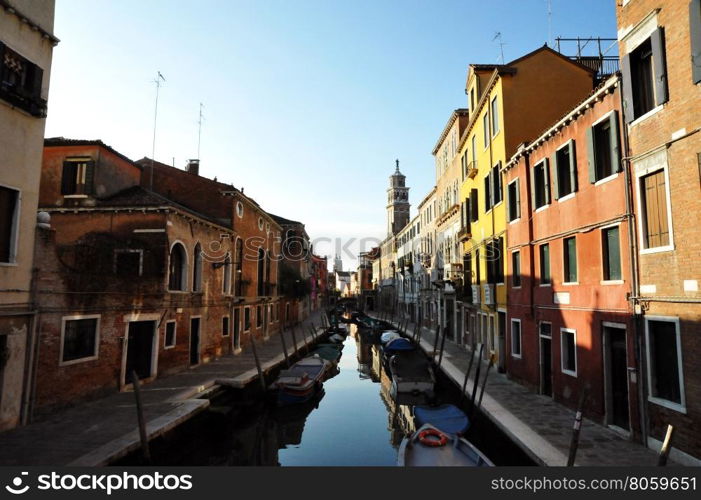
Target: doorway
<point x="237" y="329"/>
<point x="616" y="376"/>
<point x="140" y="350"/>
<point x="546" y="366"/>
<point x="194" y="341"/>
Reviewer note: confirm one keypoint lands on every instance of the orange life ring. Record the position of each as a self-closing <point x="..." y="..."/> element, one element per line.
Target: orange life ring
<point x="426" y="438"/>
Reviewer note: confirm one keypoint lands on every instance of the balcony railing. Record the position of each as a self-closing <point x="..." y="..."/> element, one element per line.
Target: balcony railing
<point x="472" y="169"/>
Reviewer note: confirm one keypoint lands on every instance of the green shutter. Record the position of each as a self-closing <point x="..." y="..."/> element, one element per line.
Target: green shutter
<point x="533" y="190"/>
<point x="695" y="33"/>
<point x="660" y="66"/>
<point x="546" y="179"/>
<point x="615" y="142"/>
<point x="626" y="75"/>
<point x="556" y="186"/>
<point x="89" y="187"/>
<point x="591" y="158"/>
<point x="518" y="199"/>
<point x="573" y="165"/>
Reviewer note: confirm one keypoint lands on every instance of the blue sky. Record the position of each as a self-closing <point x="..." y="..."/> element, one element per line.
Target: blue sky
<point x="306" y="103"/>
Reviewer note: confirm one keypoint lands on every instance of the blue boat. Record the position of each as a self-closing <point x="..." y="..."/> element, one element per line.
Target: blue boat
<point x="398" y="345"/>
<point x="447" y="418"/>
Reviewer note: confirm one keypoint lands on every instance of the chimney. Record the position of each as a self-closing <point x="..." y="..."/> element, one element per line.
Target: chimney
<point x="193" y="166"/>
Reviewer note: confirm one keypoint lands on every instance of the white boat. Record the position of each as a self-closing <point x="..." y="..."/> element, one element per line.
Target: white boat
<point x="389" y="335"/>
<point x="411" y="373"/>
<point x="429" y="447"/>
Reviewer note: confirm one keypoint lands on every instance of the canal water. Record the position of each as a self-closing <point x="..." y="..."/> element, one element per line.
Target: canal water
<point x="353" y="422"/>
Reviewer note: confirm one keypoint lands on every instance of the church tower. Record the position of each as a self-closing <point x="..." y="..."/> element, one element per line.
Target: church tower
<point x="397" y="202"/>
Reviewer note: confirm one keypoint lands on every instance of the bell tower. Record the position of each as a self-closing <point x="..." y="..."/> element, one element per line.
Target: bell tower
<point x="397" y="202"/>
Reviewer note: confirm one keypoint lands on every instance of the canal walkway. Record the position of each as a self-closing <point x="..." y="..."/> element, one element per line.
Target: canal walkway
<point x="539" y="425"/>
<point x="101" y="431"/>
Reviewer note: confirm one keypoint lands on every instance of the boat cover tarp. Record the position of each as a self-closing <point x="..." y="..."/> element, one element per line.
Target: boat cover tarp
<point x="400" y="344"/>
<point x="447" y="418"/>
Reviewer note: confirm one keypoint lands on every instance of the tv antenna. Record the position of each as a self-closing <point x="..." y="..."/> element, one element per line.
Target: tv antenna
<point x="497" y="35"/>
<point x="199" y="131"/>
<point x="157" y="81"/>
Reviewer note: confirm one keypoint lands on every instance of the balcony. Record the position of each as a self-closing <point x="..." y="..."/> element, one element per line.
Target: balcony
<point x="465" y="233"/>
<point x="472" y="169"/>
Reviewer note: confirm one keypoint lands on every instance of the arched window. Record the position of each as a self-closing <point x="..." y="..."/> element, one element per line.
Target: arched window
<point x="268" y="279"/>
<point x="261" y="269"/>
<point x="177" y="270"/>
<point x="226" y="282"/>
<point x="197" y="269"/>
<point x="238" y="264"/>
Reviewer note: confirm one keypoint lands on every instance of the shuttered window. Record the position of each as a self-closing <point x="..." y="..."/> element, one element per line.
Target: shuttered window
<point x="516" y="269"/>
<point x="569" y="251"/>
<point x="664" y="357"/>
<point x="603" y="149"/>
<point x="644" y="73"/>
<point x="695" y="35"/>
<point x="545" y="264"/>
<point x="514" y="200"/>
<point x="497" y="188"/>
<point x="485" y="127"/>
<point x="654" y="208"/>
<point x="78" y="176"/>
<point x="564" y="171"/>
<point x="9" y="199"/>
<point x="540" y="184"/>
<point x="474" y="205"/>
<point x="611" y="254"/>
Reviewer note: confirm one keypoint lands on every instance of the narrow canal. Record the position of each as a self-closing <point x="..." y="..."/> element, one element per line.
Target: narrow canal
<point x="353" y="422"/>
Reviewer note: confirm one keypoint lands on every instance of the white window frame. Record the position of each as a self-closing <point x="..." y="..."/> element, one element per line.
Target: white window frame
<point x="679" y="407"/>
<point x="14" y="229"/>
<point x="492" y="102"/>
<point x="639" y="173"/>
<point x="165" y="334"/>
<point x="601" y="254"/>
<point x="518" y="355"/>
<point x="128" y="250"/>
<point x="508" y="206"/>
<point x="520" y="274"/>
<point x="96" y="354"/>
<point x="576" y="256"/>
<point x="562" y="352"/>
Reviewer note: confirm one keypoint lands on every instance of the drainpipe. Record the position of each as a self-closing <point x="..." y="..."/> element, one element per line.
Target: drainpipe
<point x="635" y="281"/>
<point x="531" y="260"/>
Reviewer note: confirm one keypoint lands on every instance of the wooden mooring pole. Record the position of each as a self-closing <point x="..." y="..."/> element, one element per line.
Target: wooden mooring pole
<point x="445" y="334"/>
<point x="477" y="377"/>
<point x="576" y="429"/>
<point x="492" y="359"/>
<point x="467" y="375"/>
<point x="284" y="346"/>
<point x="666" y="447"/>
<point x="261" y="375"/>
<point x="145" y="450"/>
<point x="435" y="343"/>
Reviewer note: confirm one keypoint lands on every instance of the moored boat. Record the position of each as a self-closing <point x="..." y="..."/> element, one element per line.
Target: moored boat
<point x="429" y="447"/>
<point x="446" y="417"/>
<point x="389" y="335"/>
<point x="301" y="381"/>
<point x="411" y="374"/>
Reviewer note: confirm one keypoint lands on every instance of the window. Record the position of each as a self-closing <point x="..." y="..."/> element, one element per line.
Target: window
<point x="695" y="32"/>
<point x="474" y="205"/>
<point x="611" y="254"/>
<point x="20" y="82"/>
<point x="477" y="269"/>
<point x="259" y="316"/>
<point x="9" y="224"/>
<point x="516" y="269"/>
<point x="238" y="263"/>
<point x="664" y="358"/>
<point x="603" y="148"/>
<point x="568" y="351"/>
<point x="495" y="261"/>
<point x="545" y="264"/>
<point x="177" y="271"/>
<point x="655" y="215"/>
<point x="514" y="200"/>
<point x="495" y="116"/>
<point x="488" y="192"/>
<point x="485" y="128"/>
<point x="569" y="251"/>
<point x="169" y="340"/>
<point x="565" y="170"/>
<point x="644" y="76"/>
<point x="261" y="269"/>
<point x="497" y="188"/>
<point x="197" y="269"/>
<point x="516" y="338"/>
<point x="246" y="319"/>
<point x="78" y="176"/>
<point x="79" y="338"/>
<point x="128" y="262"/>
<point x="540" y="184"/>
<point x="226" y="281"/>
<point x="239" y="209"/>
<point x="225" y="326"/>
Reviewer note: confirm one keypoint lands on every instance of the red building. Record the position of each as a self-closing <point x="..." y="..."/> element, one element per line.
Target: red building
<point x="569" y="263"/>
<point x="319" y="281"/>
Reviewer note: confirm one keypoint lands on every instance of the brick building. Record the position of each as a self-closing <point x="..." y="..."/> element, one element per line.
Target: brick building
<point x="128" y="280"/>
<point x="319" y="282"/>
<point x="660" y="48"/>
<point x="569" y="268"/>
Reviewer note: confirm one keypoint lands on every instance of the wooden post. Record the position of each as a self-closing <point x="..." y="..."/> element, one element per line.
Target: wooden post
<point x="666" y="447"/>
<point x="576" y="428"/>
<point x="140" y="417"/>
<point x="294" y="340"/>
<point x="304" y="339"/>
<point x="261" y="375"/>
<point x="435" y="343"/>
<point x="477" y="377"/>
<point x="492" y="359"/>
<point x="467" y="375"/>
<point x="284" y="346"/>
<point x="445" y="334"/>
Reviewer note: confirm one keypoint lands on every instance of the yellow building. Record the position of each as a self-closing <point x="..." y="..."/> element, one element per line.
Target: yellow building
<point x="509" y="105"/>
